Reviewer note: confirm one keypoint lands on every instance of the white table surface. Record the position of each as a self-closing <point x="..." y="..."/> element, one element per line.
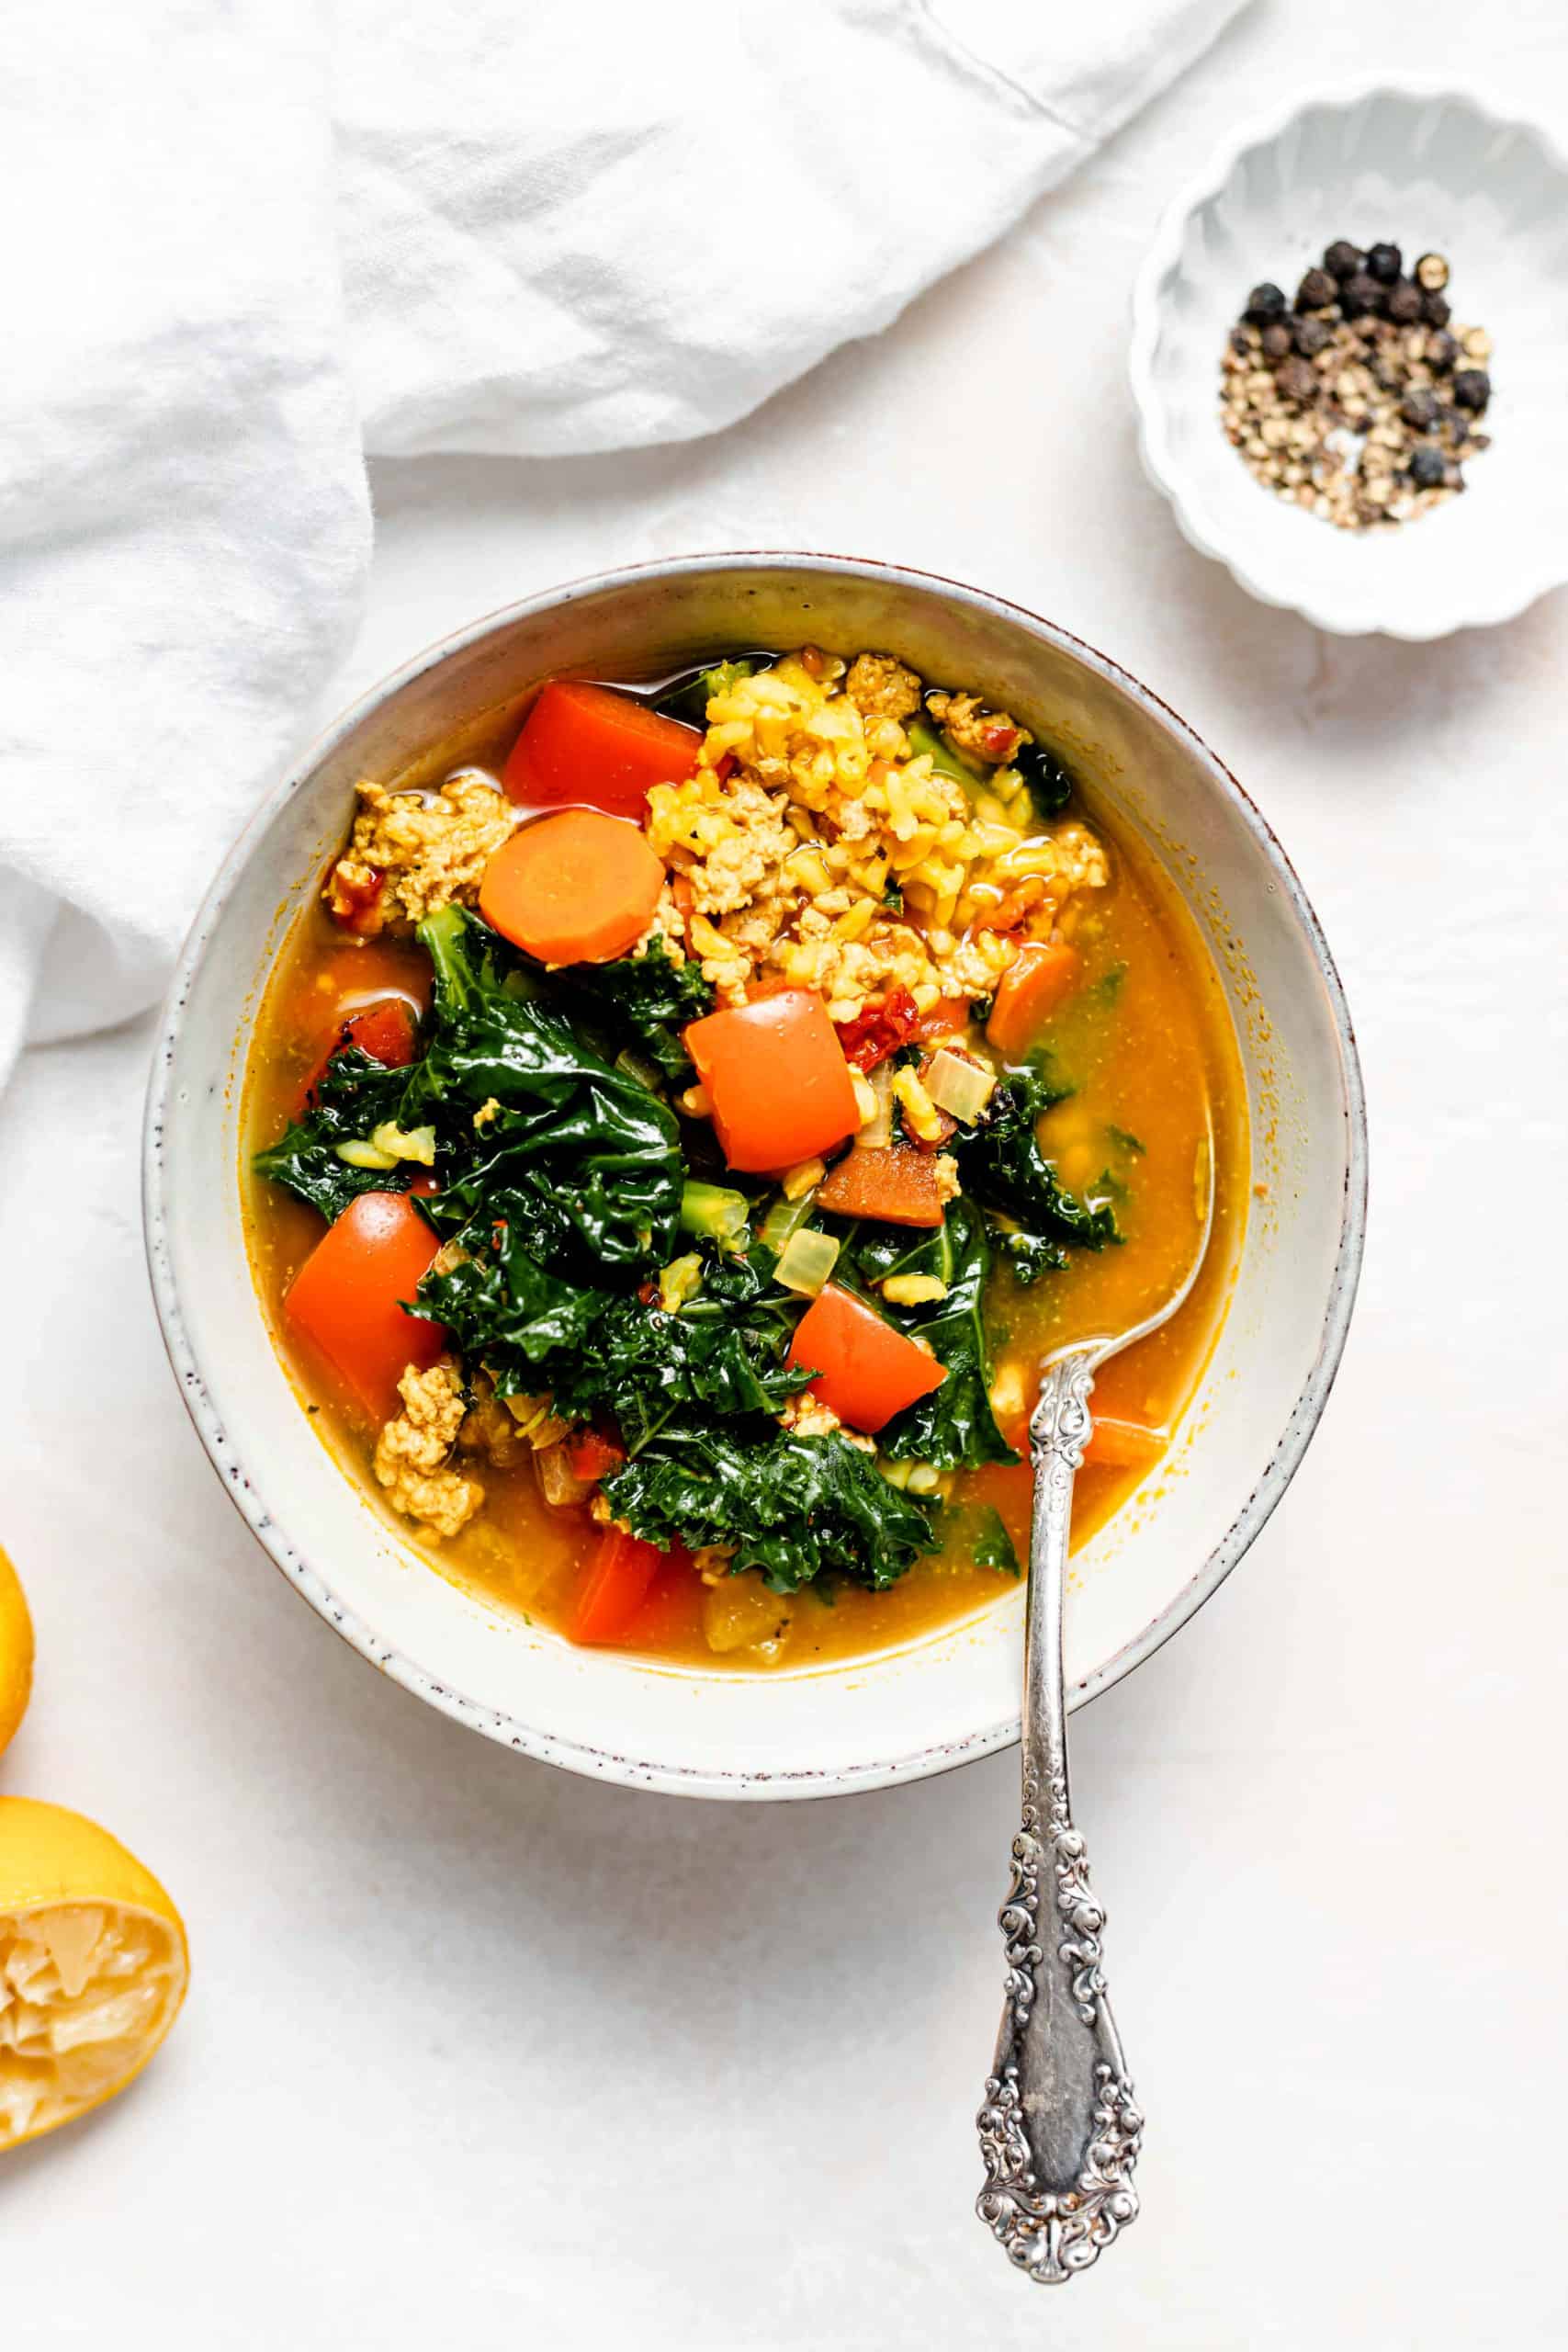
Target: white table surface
<point x="481" y="2055"/>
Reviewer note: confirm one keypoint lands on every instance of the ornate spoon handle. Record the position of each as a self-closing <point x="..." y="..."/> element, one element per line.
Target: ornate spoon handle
<point x="1059" y="2131"/>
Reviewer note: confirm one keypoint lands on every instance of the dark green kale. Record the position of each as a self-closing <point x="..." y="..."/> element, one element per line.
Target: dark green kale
<point x="1050" y="782"/>
<point x="649" y="1001"/>
<point x="1004" y="1169"/>
<point x="794" y="1508"/>
<point x="590" y="1158"/>
<point x="990" y="1546"/>
<point x="954" y="1425"/>
<point x="1029" y="1255"/>
<point x="503" y="1309"/>
<point x="723" y="1355"/>
<point x="354" y="1094"/>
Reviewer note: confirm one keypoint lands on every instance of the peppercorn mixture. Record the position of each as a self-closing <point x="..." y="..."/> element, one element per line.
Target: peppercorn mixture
<point x="1355" y="402"/>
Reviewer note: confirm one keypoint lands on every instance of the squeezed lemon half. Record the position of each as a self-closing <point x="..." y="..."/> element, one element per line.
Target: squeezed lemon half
<point x="15" y="1652"/>
<point x="93" y="1967"/>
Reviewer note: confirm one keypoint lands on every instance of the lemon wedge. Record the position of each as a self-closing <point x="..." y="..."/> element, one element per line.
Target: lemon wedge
<point x="15" y="1652"/>
<point x="93" y="1967"/>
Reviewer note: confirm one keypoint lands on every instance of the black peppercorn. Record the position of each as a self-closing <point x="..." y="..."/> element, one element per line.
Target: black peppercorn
<point x="1384" y="263"/>
<point x="1344" y="260"/>
<point x="1241" y="341"/>
<point x="1442" y="350"/>
<point x="1419" y="408"/>
<point x="1316" y="291"/>
<point x="1435" y="310"/>
<point x="1473" y="389"/>
<point x="1431" y="272"/>
<point x="1359" y="295"/>
<point x="1427" y="467"/>
<point x="1312" y="336"/>
<point x="1297" y="380"/>
<point x="1264" y="302"/>
<point x="1276" y="340"/>
<point x="1405" y="303"/>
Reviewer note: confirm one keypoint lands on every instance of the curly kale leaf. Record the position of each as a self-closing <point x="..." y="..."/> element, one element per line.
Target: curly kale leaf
<point x="649" y="999"/>
<point x="723" y="1355"/>
<point x="593" y="1156"/>
<point x="354" y="1094"/>
<point x="1030" y="1255"/>
<point x="794" y="1508"/>
<point x="1004" y="1169"/>
<point x="1050" y="782"/>
<point x="502" y="1307"/>
<point x="954" y="1425"/>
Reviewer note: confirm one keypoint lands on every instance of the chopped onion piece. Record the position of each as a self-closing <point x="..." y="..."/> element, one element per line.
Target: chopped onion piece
<point x="808" y="1258"/>
<point x="877" y="1133"/>
<point x="960" y="1088"/>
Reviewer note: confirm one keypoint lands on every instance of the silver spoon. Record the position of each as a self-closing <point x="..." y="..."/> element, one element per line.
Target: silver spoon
<point x="1060" y="2132"/>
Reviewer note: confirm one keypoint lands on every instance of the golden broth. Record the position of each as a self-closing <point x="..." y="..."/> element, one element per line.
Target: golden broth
<point x="1146" y="1042"/>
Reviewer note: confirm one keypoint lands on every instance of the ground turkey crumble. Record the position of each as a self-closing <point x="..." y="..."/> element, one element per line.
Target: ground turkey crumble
<point x="410" y="853"/>
<point x="411" y="1452"/>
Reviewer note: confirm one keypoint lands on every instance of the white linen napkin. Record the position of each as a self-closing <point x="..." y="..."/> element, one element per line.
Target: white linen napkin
<point x="253" y="238"/>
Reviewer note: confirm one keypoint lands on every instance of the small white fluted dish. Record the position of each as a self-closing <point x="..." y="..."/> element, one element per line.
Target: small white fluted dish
<point x="1430" y="170"/>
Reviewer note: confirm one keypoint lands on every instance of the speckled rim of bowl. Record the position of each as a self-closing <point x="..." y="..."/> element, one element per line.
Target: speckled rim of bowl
<point x="1148" y="302"/>
<point x="608" y="1764"/>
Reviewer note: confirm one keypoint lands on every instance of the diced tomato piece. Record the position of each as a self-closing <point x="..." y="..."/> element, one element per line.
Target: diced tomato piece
<point x="670" y="1618"/>
<point x="355" y="904"/>
<point x="865" y="1369"/>
<point x="616" y="1584"/>
<point x="880" y="1030"/>
<point x="587" y="747"/>
<point x="1040" y="976"/>
<point x="388" y="1032"/>
<point x="592" y="1456"/>
<point x="948" y="1016"/>
<point x="346" y="1298"/>
<point x="897" y="1184"/>
<point x="777" y="1079"/>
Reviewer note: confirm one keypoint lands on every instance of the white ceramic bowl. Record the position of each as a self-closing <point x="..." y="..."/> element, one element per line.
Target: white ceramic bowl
<point x="938" y="1702"/>
<point x="1430" y="170"/>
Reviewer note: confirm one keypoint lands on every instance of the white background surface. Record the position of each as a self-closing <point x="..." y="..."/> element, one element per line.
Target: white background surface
<point x="481" y="2055"/>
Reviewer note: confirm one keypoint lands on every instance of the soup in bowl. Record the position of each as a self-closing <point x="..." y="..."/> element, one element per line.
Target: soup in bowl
<point x="640" y="1108"/>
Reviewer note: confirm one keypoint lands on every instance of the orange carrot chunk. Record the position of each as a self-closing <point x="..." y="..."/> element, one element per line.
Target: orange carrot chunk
<point x="585" y="746"/>
<point x="346" y="1298"/>
<point x="865" y="1369"/>
<point x="776" y="1077"/>
<point x="897" y="1184"/>
<point x="577" y="888"/>
<point x="1040" y="976"/>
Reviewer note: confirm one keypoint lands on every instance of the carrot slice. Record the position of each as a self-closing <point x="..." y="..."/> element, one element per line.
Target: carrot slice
<point x="777" y="1079"/>
<point x="579" y="887"/>
<point x="865" y="1369"/>
<point x="1040" y="976"/>
<point x="615" y="1587"/>
<point x="1117" y="1443"/>
<point x="346" y="1298"/>
<point x="897" y="1184"/>
<point x="585" y="746"/>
